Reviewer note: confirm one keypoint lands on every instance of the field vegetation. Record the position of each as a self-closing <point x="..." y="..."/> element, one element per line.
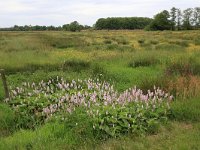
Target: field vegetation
<point x="100" y="90"/>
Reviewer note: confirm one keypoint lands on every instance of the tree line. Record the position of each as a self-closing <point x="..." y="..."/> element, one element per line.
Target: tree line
<point x="73" y="26"/>
<point x="116" y="23"/>
<point x="176" y="19"/>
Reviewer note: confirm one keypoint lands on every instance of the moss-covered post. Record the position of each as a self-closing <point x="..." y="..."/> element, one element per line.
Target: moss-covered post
<point x="3" y="77"/>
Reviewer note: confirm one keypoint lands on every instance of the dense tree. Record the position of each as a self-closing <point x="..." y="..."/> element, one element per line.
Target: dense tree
<point x="173" y="18"/>
<point x="73" y="26"/>
<point x="196" y="17"/>
<point x="161" y="22"/>
<point x="122" y="23"/>
<point x="187" y="19"/>
<point x="179" y="19"/>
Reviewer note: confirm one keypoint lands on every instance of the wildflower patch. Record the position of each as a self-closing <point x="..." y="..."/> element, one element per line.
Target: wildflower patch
<point x="112" y="113"/>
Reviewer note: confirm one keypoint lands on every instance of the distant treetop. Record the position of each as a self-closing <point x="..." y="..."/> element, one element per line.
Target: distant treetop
<point x="117" y="23"/>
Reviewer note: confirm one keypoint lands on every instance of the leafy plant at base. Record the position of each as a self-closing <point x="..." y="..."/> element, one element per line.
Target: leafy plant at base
<point x="112" y="113"/>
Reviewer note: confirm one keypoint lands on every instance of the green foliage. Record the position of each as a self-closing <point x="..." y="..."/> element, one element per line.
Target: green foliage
<point x="186" y="110"/>
<point x="122" y="23"/>
<point x="187" y="19"/>
<point x="173" y="12"/>
<point x="7" y="117"/>
<point x="54" y="135"/>
<point x="133" y="118"/>
<point x="161" y="22"/>
<point x="80" y="125"/>
<point x="25" y="115"/>
<point x="73" y="26"/>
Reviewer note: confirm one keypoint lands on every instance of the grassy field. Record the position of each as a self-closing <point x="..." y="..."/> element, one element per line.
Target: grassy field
<point x="169" y="60"/>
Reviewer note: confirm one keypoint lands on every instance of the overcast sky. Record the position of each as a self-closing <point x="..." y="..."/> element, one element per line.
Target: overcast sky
<point x="59" y="12"/>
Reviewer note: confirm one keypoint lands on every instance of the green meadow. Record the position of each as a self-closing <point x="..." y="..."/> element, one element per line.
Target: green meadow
<point x="166" y="59"/>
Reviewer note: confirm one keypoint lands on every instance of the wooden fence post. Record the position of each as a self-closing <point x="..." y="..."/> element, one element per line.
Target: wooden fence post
<point x="3" y="76"/>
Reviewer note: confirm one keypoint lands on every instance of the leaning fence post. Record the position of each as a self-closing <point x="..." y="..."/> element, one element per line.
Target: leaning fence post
<point x="3" y="76"/>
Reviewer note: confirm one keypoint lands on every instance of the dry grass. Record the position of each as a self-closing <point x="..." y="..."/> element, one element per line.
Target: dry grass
<point x="185" y="87"/>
